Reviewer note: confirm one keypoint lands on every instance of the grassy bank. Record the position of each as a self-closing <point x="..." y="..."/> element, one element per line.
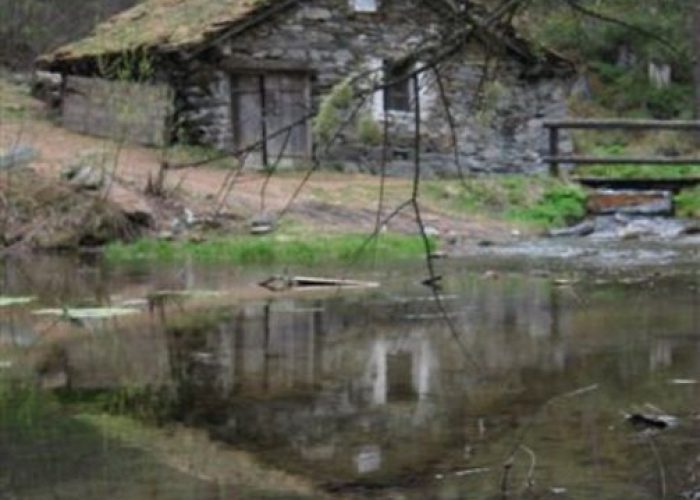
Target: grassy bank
<point x="245" y="249"/>
<point x="537" y="201"/>
<point x="688" y="203"/>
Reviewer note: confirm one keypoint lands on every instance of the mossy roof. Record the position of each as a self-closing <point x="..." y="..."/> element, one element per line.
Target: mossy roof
<point x="162" y="24"/>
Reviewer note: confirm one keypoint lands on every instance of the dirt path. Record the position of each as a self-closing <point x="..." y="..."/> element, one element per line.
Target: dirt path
<point x="329" y="202"/>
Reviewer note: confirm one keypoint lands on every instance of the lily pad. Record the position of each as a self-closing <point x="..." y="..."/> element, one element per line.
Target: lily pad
<point x="88" y="313"/>
<point x="6" y="301"/>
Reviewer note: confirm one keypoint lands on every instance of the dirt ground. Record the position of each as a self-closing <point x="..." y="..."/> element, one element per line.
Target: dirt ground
<point x="329" y="202"/>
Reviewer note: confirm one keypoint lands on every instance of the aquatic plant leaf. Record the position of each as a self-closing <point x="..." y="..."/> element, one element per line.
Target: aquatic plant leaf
<point x="6" y="301"/>
<point x="88" y="313"/>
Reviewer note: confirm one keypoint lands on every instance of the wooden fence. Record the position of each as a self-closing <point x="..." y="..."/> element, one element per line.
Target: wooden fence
<point x="555" y="158"/>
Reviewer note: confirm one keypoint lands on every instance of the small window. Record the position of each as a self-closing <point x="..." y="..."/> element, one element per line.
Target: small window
<point x="397" y="95"/>
<point x="364" y="5"/>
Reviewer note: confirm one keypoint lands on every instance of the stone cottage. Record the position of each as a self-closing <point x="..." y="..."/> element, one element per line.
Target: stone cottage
<point x="241" y="75"/>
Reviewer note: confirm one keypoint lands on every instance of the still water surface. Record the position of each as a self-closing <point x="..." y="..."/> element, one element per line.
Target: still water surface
<point x="360" y="393"/>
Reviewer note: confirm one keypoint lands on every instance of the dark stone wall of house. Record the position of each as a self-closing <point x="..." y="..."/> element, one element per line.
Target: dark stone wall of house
<point x="504" y="134"/>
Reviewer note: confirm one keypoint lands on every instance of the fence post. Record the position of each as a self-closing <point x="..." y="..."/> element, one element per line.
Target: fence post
<point x="554" y="150"/>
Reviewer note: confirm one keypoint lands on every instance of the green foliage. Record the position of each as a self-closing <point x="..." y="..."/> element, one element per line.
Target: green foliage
<point x="628" y="90"/>
<point x="660" y="144"/>
<point x="145" y="403"/>
<point x="559" y="205"/>
<point x="135" y="65"/>
<point x="31" y="27"/>
<point x="186" y="153"/>
<point x="537" y="200"/>
<point x="688" y="203"/>
<point x="22" y="405"/>
<point x="625" y="171"/>
<point x="622" y="86"/>
<point x="267" y="249"/>
<point x="368" y="130"/>
<point x="331" y="110"/>
<point x="16" y="103"/>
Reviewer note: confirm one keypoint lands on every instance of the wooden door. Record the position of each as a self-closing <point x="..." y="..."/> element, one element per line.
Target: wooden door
<point x="271" y="110"/>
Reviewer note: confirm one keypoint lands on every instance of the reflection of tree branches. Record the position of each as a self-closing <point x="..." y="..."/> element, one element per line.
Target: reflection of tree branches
<point x="519" y="441"/>
<point x="659" y="465"/>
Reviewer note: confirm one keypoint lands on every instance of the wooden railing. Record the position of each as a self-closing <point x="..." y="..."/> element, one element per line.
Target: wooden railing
<point x="555" y="158"/>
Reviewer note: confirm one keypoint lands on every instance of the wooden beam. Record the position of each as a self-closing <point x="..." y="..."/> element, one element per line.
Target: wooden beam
<point x="637" y="183"/>
<point x="243" y="65"/>
<point x="554" y="151"/>
<point x="623" y="124"/>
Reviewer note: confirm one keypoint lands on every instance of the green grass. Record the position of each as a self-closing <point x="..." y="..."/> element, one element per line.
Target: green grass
<point x="182" y="154"/>
<point x="661" y="145"/>
<point x="639" y="171"/>
<point x="23" y="406"/>
<point x="15" y="102"/>
<point x="558" y="205"/>
<point x="263" y="250"/>
<point x="688" y="203"/>
<point x="535" y="200"/>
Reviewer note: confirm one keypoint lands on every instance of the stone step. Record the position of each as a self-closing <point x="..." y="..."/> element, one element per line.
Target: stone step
<point x="609" y="201"/>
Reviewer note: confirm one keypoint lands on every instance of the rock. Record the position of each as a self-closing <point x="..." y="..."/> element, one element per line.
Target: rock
<point x="583" y="229"/>
<point x="18" y="156"/>
<point x="197" y="238"/>
<point x="691" y="229"/>
<point x="166" y="236"/>
<point x="46" y="87"/>
<point x="431" y="231"/>
<point x="87" y="177"/>
<point x="263" y="224"/>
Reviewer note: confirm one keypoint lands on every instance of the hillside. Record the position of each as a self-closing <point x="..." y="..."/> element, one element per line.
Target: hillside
<point x="31" y="27"/>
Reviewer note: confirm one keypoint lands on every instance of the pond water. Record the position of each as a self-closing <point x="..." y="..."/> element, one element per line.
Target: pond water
<point x="523" y="393"/>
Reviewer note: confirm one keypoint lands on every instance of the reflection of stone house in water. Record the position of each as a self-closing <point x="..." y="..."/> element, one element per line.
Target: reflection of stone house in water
<point x="236" y="73"/>
<point x="331" y="380"/>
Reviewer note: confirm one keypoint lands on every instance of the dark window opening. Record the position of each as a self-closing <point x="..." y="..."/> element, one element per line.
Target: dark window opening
<point x="398" y="93"/>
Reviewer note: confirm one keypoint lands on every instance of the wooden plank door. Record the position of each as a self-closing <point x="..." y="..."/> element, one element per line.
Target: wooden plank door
<point x="271" y="110"/>
<point x="287" y="105"/>
<point x="247" y="111"/>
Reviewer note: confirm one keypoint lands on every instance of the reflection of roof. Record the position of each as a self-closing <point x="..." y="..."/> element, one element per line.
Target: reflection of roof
<point x="165" y="24"/>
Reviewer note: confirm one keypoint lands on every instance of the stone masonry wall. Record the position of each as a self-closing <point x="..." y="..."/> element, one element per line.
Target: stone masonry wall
<point x="502" y="134"/>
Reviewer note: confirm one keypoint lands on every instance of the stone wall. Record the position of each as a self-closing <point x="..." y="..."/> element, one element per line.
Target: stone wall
<point x="119" y="110"/>
<point x="499" y="132"/>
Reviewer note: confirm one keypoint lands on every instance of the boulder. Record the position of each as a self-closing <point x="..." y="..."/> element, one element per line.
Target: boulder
<point x="263" y="224"/>
<point x="583" y="229"/>
<point x="17" y="157"/>
<point x="87" y="177"/>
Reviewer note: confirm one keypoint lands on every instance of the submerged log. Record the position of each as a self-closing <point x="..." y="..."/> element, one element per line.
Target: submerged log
<point x="281" y="283"/>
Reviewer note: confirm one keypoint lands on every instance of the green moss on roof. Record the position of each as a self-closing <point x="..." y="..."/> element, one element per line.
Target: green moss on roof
<point x="159" y="23"/>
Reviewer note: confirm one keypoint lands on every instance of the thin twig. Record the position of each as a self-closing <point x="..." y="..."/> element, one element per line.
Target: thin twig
<point x="659" y="464"/>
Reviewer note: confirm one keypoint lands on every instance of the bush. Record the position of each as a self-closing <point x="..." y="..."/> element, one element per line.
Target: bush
<point x="559" y="205"/>
<point x="688" y="203"/>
